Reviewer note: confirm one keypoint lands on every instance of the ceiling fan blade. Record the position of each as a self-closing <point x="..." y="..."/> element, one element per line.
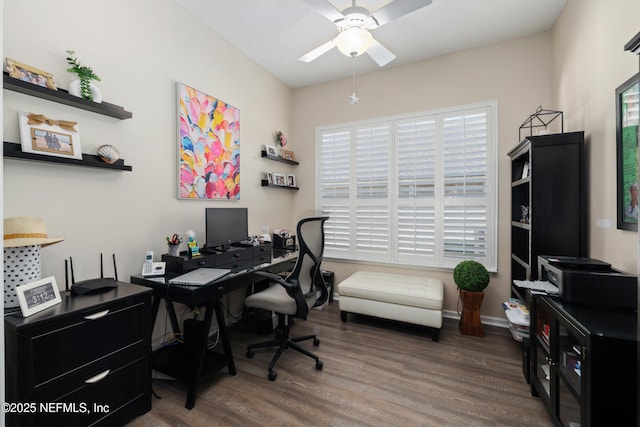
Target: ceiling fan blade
<point x="396" y="9"/>
<point x="322" y="49"/>
<point x="326" y="9"/>
<point x="380" y="54"/>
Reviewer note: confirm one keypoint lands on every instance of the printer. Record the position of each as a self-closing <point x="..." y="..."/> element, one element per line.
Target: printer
<point x="589" y="281"/>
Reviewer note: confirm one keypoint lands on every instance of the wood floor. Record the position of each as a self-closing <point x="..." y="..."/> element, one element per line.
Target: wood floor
<point x="376" y="373"/>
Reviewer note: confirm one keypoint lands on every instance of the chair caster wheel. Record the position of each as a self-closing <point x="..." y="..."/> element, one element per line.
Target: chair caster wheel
<point x="319" y="365"/>
<point x="250" y="354"/>
<point x="272" y="376"/>
<point x="316" y="342"/>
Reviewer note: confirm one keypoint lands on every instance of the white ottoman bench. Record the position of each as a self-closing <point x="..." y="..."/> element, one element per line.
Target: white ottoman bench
<point x="410" y="299"/>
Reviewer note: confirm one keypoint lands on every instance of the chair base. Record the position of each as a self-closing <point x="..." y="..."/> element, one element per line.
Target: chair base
<point x="283" y="342"/>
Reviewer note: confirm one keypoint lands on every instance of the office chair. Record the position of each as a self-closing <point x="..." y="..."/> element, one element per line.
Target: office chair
<point x="294" y="295"/>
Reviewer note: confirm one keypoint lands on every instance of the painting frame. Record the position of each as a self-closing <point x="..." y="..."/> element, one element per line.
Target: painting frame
<point x="42" y="135"/>
<point x="208" y="146"/>
<point x="291" y="180"/>
<point x="271" y="150"/>
<point x="288" y="155"/>
<point x="270" y="178"/>
<point x="279" y="179"/>
<point x="627" y="136"/>
<point x="29" y="74"/>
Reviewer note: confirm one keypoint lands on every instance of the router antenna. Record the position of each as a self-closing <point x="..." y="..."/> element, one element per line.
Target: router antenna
<point x="115" y="269"/>
<point x="73" y="279"/>
<point x="101" y="269"/>
<point x="66" y="276"/>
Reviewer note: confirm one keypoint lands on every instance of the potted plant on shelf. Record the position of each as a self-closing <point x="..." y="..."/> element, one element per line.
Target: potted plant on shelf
<point x="83" y="86"/>
<point x="472" y="278"/>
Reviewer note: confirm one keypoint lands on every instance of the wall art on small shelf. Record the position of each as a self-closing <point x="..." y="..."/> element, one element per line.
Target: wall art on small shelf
<point x="279" y="179"/>
<point x="277" y="158"/>
<point x="271" y="150"/>
<point x="61" y="96"/>
<point x="288" y="155"/>
<point x="12" y="150"/>
<point x="29" y="74"/>
<point x="265" y="183"/>
<point x="43" y="135"/>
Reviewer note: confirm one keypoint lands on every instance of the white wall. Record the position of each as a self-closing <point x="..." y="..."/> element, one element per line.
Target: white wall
<point x="516" y="73"/>
<point x="589" y="62"/>
<point x="140" y="49"/>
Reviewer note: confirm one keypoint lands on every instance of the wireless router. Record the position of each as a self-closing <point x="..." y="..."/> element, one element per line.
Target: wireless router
<point x="92" y="285"/>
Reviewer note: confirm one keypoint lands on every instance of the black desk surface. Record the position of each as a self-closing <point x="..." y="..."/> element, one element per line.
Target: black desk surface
<point x="197" y="295"/>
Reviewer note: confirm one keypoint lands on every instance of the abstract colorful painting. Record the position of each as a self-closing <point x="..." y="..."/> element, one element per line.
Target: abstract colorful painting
<point x="209" y="147"/>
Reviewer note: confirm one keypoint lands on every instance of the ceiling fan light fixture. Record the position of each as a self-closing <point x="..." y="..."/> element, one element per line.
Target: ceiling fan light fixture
<point x="354" y="41"/>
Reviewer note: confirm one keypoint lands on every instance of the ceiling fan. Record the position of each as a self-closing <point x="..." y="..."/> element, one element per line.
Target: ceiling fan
<point x="354" y="24"/>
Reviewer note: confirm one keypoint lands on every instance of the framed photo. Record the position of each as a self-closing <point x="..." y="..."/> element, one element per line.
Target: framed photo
<point x="208" y="145"/>
<point x="26" y="73"/>
<point x="291" y="180"/>
<point x="37" y="296"/>
<point x="271" y="150"/>
<point x="279" y="179"/>
<point x="288" y="155"/>
<point x="43" y="135"/>
<point x="627" y="124"/>
<point x="270" y="178"/>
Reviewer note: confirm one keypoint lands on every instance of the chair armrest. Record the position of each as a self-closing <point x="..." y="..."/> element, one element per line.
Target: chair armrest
<point x="278" y="279"/>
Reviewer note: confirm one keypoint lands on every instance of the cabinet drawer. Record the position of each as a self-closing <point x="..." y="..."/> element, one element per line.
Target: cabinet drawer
<point x="111" y="396"/>
<point x="261" y="254"/>
<point x="233" y="255"/>
<point x="82" y="340"/>
<point x="237" y="265"/>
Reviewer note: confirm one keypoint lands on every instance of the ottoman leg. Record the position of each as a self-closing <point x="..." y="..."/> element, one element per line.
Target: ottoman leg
<point x="343" y="316"/>
<point x="435" y="334"/>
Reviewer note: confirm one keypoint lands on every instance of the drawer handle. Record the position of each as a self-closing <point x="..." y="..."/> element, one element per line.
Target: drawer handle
<point x="97" y="315"/>
<point x="98" y="377"/>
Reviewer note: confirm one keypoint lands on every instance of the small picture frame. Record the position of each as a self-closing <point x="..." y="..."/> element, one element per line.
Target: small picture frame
<point x="270" y="178"/>
<point x="291" y="180"/>
<point x="37" y="296"/>
<point x="42" y="135"/>
<point x="279" y="179"/>
<point x="288" y="155"/>
<point x="26" y="73"/>
<point x="271" y="150"/>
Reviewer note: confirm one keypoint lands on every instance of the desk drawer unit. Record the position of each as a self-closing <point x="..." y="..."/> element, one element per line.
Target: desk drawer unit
<point x="89" y="350"/>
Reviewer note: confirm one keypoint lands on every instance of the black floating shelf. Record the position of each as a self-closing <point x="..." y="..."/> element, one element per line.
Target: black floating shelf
<point x="63" y="97"/>
<point x="265" y="183"/>
<point x="13" y="151"/>
<point x="278" y="159"/>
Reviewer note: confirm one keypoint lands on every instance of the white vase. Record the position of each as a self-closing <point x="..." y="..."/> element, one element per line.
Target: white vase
<point x="74" y="89"/>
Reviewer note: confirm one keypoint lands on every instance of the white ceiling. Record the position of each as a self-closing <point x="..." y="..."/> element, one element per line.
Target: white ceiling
<point x="275" y="33"/>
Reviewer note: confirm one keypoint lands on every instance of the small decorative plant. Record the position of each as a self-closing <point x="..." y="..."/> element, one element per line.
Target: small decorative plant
<point x="281" y="139"/>
<point x="84" y="73"/>
<point x="471" y="276"/>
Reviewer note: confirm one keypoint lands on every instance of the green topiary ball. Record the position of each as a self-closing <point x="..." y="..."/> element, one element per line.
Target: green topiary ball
<point x="471" y="276"/>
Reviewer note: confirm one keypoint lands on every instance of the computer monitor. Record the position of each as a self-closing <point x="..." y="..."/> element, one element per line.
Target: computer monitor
<point x="225" y="226"/>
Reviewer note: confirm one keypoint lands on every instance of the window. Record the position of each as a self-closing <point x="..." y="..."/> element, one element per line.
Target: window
<point x="417" y="189"/>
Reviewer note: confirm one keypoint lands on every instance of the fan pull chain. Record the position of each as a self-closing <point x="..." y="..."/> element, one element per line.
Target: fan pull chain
<point x="353" y="99"/>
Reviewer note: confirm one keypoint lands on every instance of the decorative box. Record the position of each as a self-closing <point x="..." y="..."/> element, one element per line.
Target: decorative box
<point x="281" y="242"/>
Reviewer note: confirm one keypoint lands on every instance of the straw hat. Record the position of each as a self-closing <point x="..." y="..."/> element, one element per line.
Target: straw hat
<point x="26" y="231"/>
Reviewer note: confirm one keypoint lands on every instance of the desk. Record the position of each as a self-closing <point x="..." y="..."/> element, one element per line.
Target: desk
<point x="191" y="361"/>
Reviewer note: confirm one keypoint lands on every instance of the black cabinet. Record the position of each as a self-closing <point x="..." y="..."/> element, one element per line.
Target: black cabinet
<point x="235" y="259"/>
<point x="87" y="360"/>
<point x="585" y="363"/>
<point x="547" y="201"/>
